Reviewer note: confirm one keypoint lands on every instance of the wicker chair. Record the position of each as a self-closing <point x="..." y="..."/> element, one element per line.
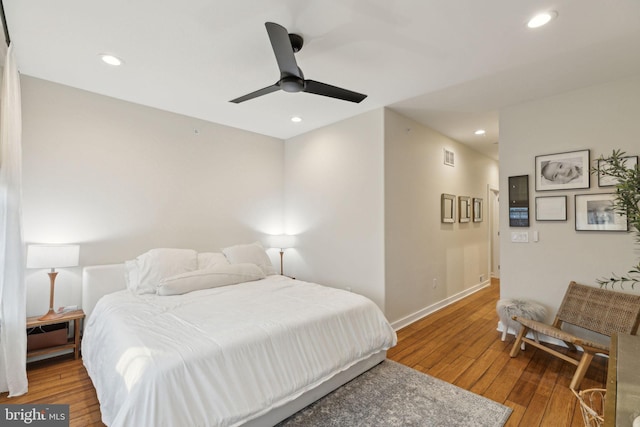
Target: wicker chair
<point x="603" y="311"/>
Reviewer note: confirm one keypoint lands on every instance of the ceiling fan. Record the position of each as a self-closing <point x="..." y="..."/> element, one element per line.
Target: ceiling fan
<point x="291" y="78"/>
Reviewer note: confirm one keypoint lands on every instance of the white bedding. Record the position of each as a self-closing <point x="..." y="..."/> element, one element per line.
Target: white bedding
<point x="223" y="356"/>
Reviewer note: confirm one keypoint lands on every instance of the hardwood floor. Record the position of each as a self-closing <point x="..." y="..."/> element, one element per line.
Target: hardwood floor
<point x="459" y="344"/>
<point x="62" y="380"/>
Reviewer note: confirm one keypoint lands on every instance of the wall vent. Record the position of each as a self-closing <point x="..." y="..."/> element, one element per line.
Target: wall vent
<point x="449" y="158"/>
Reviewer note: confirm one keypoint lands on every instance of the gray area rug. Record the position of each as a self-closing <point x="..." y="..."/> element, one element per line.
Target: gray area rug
<point x="392" y="394"/>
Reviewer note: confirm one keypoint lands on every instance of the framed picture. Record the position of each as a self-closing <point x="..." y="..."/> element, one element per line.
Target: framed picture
<point x="464" y="208"/>
<point x="477" y="209"/>
<point x="553" y="208"/>
<point x="596" y="212"/>
<point x="448" y="208"/>
<point x="609" y="181"/>
<point x="563" y="171"/>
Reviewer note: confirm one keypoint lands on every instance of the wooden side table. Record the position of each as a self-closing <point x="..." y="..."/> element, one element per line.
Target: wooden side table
<point x="74" y="343"/>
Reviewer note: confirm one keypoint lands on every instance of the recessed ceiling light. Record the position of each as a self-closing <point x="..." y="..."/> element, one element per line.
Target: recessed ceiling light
<point x="541" y="19"/>
<point x="480" y="132"/>
<point x="110" y="59"/>
<point x="296" y="119"/>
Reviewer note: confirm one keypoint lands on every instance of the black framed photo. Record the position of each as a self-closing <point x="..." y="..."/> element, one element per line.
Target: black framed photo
<point x="551" y="208"/>
<point x="477" y="209"/>
<point x="596" y="212"/>
<point x="464" y="208"/>
<point x="448" y="208"/>
<point x="563" y="171"/>
<point x="630" y="162"/>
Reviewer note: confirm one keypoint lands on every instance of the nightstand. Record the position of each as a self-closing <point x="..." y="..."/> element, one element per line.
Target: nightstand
<point x="75" y="316"/>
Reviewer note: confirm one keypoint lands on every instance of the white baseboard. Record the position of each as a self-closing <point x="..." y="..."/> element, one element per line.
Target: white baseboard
<point x="407" y="320"/>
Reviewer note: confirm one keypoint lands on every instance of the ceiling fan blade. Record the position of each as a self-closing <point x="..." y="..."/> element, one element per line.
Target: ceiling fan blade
<point x="257" y="93"/>
<point x="282" y="48"/>
<point x="324" y="89"/>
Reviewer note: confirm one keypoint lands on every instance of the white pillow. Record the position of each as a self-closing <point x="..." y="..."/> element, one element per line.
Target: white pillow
<point x="157" y="264"/>
<point x="220" y="275"/>
<point x="252" y="253"/>
<point x="210" y="259"/>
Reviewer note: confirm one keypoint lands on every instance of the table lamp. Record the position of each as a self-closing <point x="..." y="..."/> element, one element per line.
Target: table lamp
<point x="282" y="242"/>
<point x="52" y="256"/>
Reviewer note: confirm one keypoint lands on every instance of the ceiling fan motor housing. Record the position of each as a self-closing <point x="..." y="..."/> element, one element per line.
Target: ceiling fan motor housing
<point x="296" y="42"/>
<point x="291" y="83"/>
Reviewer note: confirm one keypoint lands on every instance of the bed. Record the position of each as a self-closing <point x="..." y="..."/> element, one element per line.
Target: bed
<point x="248" y="353"/>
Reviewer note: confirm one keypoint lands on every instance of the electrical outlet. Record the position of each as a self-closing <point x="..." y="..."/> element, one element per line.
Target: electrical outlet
<point x="435" y="283"/>
<point x="482" y="277"/>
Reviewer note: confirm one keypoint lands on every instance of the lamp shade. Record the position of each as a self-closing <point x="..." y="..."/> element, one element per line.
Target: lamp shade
<point x="52" y="256"/>
<point x="283" y="241"/>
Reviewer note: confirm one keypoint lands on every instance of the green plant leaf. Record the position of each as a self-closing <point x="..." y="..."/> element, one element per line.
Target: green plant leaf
<point x="627" y="202"/>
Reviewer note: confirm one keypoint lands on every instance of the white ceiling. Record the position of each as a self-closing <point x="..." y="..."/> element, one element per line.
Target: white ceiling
<point x="451" y="65"/>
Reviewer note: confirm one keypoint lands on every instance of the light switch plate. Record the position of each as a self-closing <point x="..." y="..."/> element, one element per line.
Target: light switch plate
<point x="520" y="236"/>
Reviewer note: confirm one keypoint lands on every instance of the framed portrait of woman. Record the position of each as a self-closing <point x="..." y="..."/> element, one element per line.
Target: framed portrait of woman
<point x="563" y="171"/>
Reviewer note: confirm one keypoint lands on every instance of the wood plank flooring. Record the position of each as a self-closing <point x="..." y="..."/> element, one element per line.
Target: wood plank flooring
<point x="459" y="344"/>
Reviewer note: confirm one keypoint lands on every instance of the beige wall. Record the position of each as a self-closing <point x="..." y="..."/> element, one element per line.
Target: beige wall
<point x="335" y="204"/>
<point x="598" y="118"/>
<point x="119" y="179"/>
<point x="420" y="250"/>
<point x="363" y="196"/>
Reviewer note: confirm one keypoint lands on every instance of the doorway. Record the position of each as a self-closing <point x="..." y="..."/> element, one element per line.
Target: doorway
<point x="494" y="226"/>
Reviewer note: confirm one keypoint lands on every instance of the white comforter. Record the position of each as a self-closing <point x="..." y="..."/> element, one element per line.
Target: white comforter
<point x="223" y="356"/>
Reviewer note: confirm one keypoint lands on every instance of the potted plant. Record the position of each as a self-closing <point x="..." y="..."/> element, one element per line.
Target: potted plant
<point x="627" y="202"/>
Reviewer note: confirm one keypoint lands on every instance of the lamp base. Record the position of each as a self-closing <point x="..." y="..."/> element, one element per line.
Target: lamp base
<point x="51" y="314"/>
<point x="281" y="256"/>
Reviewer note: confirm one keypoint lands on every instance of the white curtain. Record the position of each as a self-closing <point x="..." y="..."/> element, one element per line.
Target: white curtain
<point x="13" y="340"/>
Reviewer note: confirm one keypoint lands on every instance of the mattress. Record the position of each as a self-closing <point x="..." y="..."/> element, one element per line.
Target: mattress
<point x="224" y="356"/>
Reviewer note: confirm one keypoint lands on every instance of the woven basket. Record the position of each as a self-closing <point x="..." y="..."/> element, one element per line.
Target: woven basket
<point x="592" y="406"/>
